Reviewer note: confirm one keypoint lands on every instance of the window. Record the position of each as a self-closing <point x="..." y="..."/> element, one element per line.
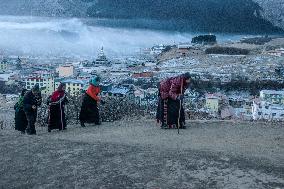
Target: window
<point x="266" y="107"/>
<point x="274" y="114"/>
<point x="259" y="113"/>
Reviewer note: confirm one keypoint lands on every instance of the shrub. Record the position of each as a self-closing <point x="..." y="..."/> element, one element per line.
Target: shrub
<point x="227" y="50"/>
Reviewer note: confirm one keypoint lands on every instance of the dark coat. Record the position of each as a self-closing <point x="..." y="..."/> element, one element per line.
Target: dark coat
<point x="89" y="111"/>
<point x="21" y="121"/>
<point x="31" y="100"/>
<point x="57" y="118"/>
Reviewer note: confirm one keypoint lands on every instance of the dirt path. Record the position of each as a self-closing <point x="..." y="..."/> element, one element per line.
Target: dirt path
<point x="136" y="154"/>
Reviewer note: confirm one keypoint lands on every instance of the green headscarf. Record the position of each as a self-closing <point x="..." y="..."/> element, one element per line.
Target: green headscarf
<point x="20" y="103"/>
<point x="94" y="81"/>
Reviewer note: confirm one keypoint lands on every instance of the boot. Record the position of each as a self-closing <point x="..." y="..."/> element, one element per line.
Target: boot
<point x="82" y="124"/>
<point x="182" y="126"/>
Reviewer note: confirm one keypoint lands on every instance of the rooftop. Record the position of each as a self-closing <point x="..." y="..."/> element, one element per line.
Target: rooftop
<point x="272" y="92"/>
<point x="75" y="81"/>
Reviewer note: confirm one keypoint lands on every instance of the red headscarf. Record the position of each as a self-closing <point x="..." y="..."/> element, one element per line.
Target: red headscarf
<point x="93" y="91"/>
<point x="58" y="94"/>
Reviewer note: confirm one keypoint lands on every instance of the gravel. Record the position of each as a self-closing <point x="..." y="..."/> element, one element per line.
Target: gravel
<point x="137" y="154"/>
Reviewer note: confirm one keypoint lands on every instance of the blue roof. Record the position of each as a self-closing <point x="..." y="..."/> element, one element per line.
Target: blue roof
<point x="75" y="81"/>
<point x="121" y="90"/>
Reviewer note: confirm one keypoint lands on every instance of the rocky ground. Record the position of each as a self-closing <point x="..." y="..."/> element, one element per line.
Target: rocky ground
<point x="137" y="154"/>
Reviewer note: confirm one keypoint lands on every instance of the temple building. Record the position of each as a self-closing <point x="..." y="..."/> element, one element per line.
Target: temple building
<point x="101" y="59"/>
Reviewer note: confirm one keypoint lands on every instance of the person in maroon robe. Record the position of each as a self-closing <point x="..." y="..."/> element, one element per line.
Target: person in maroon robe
<point x="57" y="102"/>
<point x="170" y="112"/>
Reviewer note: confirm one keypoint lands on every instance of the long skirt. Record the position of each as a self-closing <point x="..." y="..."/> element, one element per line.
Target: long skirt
<point x="89" y="111"/>
<point x="21" y="121"/>
<point x="169" y="114"/>
<point x="57" y="119"/>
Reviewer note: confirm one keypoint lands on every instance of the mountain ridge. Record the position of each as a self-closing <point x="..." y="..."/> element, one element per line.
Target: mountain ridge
<point x="204" y="15"/>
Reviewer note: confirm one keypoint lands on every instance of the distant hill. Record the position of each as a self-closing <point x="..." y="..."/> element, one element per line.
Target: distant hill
<point x="55" y="8"/>
<point x="201" y="15"/>
<point x="273" y="11"/>
<point x="253" y="16"/>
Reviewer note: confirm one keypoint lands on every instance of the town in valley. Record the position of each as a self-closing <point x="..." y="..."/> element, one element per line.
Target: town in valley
<point x="233" y="80"/>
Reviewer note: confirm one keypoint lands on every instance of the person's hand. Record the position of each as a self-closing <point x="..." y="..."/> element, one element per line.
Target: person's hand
<point x="34" y="107"/>
<point x="180" y="97"/>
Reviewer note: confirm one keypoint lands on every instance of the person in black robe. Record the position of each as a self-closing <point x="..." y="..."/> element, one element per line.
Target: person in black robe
<point x="89" y="110"/>
<point x="57" y="102"/>
<point x="32" y="101"/>
<point x="21" y="121"/>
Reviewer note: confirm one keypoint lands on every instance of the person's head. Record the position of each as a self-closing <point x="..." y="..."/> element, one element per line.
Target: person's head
<point x="61" y="87"/>
<point x="187" y="77"/>
<point x="95" y="81"/>
<point x="35" y="89"/>
<point x="24" y="91"/>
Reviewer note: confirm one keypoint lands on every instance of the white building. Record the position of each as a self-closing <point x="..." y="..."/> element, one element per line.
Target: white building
<point x="73" y="86"/>
<point x="277" y="52"/>
<point x="158" y="49"/>
<point x="101" y="59"/>
<point x="265" y="111"/>
<point x="3" y="65"/>
<point x="212" y="102"/>
<point x="270" y="106"/>
<point x="272" y="96"/>
<point x="45" y="83"/>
